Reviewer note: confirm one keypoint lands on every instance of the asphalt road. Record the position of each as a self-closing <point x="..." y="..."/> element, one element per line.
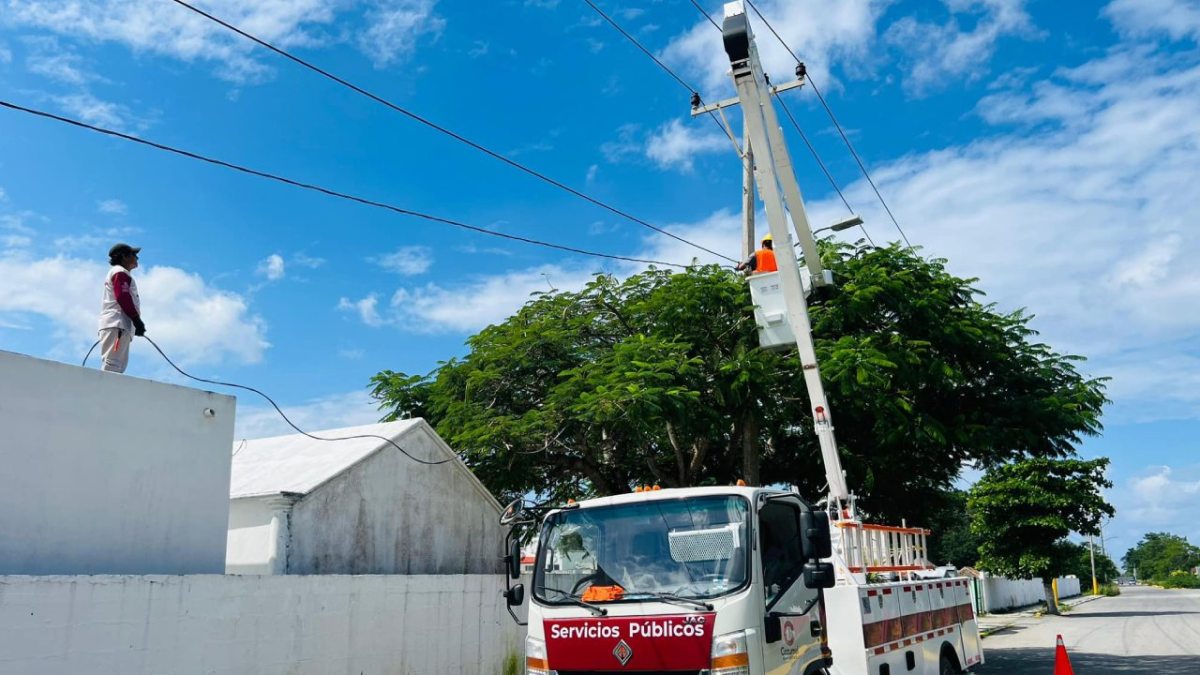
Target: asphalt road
<point x="1144" y="630"/>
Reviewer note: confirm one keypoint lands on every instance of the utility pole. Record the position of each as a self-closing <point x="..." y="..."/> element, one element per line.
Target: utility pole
<point x="1092" y="554"/>
<point x="748" y="242"/>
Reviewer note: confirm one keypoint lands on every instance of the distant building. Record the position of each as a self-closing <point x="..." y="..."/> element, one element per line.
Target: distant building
<point x="303" y="506"/>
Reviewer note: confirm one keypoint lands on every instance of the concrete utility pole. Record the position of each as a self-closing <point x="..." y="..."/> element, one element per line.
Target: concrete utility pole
<point x="748" y="240"/>
<point x="1092" y="555"/>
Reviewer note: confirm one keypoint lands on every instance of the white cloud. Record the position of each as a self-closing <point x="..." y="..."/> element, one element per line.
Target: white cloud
<point x="272" y="267"/>
<point x="88" y="108"/>
<point x="15" y="241"/>
<point x="395" y="26"/>
<point x="367" y="309"/>
<point x="114" y="207"/>
<point x="941" y="53"/>
<point x="1083" y="214"/>
<point x="62" y="66"/>
<point x="406" y="260"/>
<point x="5" y="54"/>
<point x="166" y="29"/>
<point x="192" y="320"/>
<point x="675" y="145"/>
<point x="479" y="302"/>
<point x="307" y="261"/>
<point x="255" y="420"/>
<point x="1177" y="19"/>
<point x="822" y="32"/>
<point x="1159" y="499"/>
<point x="590" y="178"/>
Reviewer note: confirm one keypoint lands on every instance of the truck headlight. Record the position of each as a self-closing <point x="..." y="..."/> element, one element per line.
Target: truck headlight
<point x="535" y="657"/>
<point x="730" y="654"/>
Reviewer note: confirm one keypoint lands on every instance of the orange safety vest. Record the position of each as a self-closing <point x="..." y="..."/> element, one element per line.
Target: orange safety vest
<point x="764" y="261"/>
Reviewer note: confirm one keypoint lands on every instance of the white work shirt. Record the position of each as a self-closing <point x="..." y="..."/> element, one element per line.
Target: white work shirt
<point x="111" y="314"/>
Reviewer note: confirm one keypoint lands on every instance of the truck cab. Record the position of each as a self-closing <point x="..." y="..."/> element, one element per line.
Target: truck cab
<point x="715" y="580"/>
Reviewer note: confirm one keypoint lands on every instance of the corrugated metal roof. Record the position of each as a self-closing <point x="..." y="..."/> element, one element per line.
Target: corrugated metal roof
<point x="299" y="464"/>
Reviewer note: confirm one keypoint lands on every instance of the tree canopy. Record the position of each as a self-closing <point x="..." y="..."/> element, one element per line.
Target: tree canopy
<point x="659" y="378"/>
<point x="1023" y="511"/>
<point x="1160" y="553"/>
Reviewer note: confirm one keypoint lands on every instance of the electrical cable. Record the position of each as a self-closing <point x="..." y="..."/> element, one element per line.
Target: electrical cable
<point x="273" y="404"/>
<point x="279" y="410"/>
<point x="841" y="132"/>
<point x="696" y="99"/>
<point x="327" y="191"/>
<point x="820" y="163"/>
<point x="811" y="148"/>
<point x="443" y="130"/>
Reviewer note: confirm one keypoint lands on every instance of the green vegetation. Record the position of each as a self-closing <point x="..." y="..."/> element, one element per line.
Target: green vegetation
<point x="512" y="664"/>
<point x="1179" y="579"/>
<point x="1079" y="562"/>
<point x="658" y="378"/>
<point x="1110" y="590"/>
<point x="1023" y="511"/>
<point x="1159" y="554"/>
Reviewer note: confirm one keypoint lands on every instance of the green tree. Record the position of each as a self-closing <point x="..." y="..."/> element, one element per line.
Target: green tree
<point x="1159" y="554"/>
<point x="1022" y="512"/>
<point x="659" y="379"/>
<point x="952" y="541"/>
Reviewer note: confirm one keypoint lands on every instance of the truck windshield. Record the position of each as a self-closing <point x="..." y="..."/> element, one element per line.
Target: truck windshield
<point x="688" y="548"/>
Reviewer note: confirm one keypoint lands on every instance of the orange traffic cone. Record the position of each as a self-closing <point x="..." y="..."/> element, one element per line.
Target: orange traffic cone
<point x="1062" y="662"/>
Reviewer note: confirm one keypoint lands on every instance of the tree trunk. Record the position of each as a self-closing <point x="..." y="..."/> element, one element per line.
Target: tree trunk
<point x="1051" y="603"/>
<point x="750" y="454"/>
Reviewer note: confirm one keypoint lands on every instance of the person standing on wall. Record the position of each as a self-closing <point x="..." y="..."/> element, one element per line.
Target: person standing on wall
<point x="763" y="259"/>
<point x="120" y="309"/>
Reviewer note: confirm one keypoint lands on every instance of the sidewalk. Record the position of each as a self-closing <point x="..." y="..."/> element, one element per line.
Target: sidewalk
<point x="998" y="621"/>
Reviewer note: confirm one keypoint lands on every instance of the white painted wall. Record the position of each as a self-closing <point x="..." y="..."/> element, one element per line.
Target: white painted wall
<point x="1002" y="593"/>
<point x="255" y="625"/>
<point x="258" y="535"/>
<point x="110" y="474"/>
<point x="390" y="515"/>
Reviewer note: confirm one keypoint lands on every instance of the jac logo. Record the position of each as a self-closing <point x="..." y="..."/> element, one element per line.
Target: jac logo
<point x="694" y="619"/>
<point x="623" y="652"/>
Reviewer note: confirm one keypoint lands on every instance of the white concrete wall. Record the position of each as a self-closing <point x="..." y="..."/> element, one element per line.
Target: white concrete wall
<point x="255" y="625"/>
<point x="390" y="515"/>
<point x="1002" y="593"/>
<point x="110" y="474"/>
<point x="258" y="535"/>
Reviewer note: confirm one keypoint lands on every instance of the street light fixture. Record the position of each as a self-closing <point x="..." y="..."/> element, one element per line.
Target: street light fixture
<point x="846" y="223"/>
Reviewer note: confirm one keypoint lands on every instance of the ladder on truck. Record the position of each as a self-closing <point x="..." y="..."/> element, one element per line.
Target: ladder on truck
<point x="859" y="548"/>
<point x="882" y="549"/>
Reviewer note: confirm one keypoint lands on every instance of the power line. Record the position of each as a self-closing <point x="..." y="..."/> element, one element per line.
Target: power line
<point x="443" y="130"/>
<point x="829" y="111"/>
<point x="279" y="410"/>
<point x="820" y="163"/>
<point x="696" y="100"/>
<point x="811" y="148"/>
<point x="326" y="191"/>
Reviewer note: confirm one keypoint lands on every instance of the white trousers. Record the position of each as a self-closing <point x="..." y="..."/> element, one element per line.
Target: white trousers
<point x="114" y="349"/>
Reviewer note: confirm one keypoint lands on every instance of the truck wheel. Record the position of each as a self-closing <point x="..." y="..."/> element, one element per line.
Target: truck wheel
<point x="947" y="665"/>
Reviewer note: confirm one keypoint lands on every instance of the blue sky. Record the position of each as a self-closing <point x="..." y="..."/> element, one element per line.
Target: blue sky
<point x="1050" y="149"/>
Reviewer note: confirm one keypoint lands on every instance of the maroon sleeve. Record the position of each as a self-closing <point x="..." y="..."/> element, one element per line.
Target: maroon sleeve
<point x="124" y="297"/>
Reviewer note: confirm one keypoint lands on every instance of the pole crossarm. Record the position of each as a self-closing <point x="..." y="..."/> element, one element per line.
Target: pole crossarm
<point x="730" y="102"/>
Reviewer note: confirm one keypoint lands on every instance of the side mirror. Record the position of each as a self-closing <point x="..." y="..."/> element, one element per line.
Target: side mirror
<point x="512" y="511"/>
<point x="819" y="575"/>
<point x="515" y="596"/>
<point x="814" y="535"/>
<point x="514" y="559"/>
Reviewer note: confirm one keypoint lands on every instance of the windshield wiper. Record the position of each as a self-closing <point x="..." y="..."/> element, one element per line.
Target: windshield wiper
<point x="675" y="599"/>
<point x="574" y="599"/>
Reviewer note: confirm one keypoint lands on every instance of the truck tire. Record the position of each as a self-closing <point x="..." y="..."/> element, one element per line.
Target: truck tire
<point x="948" y="665"/>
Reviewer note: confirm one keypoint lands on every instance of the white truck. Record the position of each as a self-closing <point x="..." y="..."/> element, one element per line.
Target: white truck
<point x="741" y="580"/>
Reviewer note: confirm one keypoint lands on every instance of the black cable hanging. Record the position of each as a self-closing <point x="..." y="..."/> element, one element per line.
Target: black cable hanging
<point x="327" y="191"/>
<point x="801" y="69"/>
<point x="274" y="405"/>
<point x="443" y="130"/>
<point x="811" y="148"/>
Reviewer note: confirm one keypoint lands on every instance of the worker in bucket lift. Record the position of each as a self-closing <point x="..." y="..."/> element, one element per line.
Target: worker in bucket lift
<point x="763" y="259"/>
<point x="120" y="309"/>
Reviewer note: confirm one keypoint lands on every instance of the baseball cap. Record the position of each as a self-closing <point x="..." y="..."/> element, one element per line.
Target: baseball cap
<point x="121" y="250"/>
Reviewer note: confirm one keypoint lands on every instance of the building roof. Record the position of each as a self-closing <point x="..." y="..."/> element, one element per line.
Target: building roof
<point x="299" y="464"/>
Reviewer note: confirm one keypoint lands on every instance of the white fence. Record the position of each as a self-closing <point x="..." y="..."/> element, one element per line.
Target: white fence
<point x="254" y="625"/>
<point x="1001" y="593"/>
